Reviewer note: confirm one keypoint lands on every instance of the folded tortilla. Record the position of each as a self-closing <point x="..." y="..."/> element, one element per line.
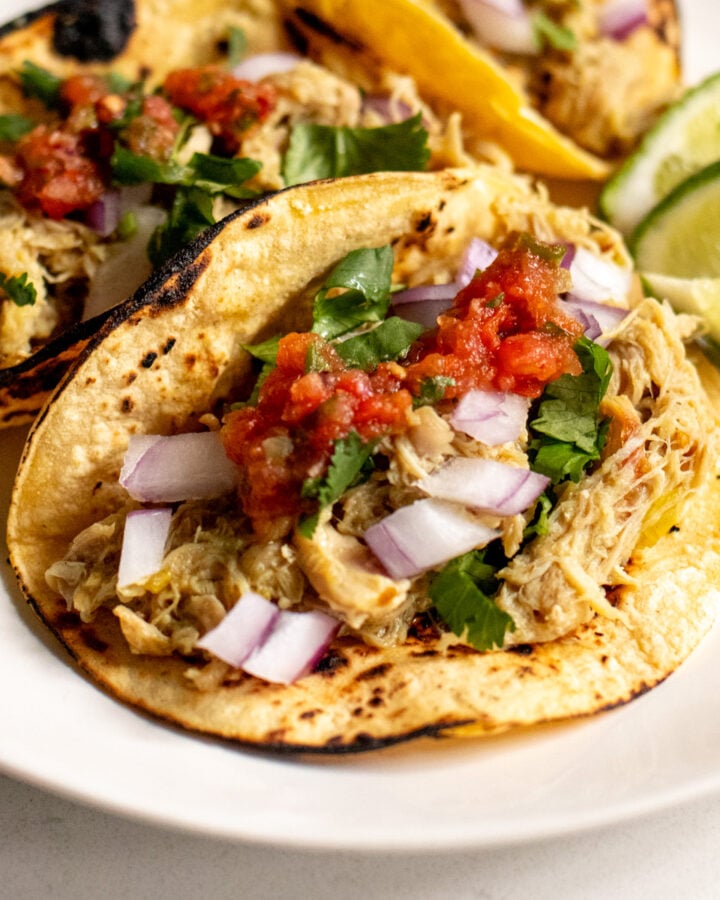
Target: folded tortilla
<point x="174" y="353"/>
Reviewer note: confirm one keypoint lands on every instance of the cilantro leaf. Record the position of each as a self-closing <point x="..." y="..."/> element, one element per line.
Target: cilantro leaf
<point x="191" y="214"/>
<point x="327" y="151"/>
<point x="40" y="83"/>
<point x="237" y="45"/>
<point x="365" y="273"/>
<point x="549" y="33"/>
<point x="13" y="127"/>
<point x="217" y="174"/>
<point x="432" y="390"/>
<point x="567" y="435"/>
<point x="134" y="168"/>
<point x="266" y="351"/>
<point x="349" y="462"/>
<point x="390" y="340"/>
<point x="214" y="174"/>
<point x="462" y="595"/>
<point x="17" y="287"/>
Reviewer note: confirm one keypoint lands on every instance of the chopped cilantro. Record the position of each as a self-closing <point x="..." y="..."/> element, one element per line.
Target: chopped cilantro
<point x="549" y="33"/>
<point x="127" y="226"/>
<point x="117" y="83"/>
<point x="190" y="215"/>
<point x="217" y="175"/>
<point x="365" y="273"/>
<point x="566" y="433"/>
<point x="327" y="151"/>
<point x="17" y="287"/>
<point x="462" y="595"/>
<point x="237" y="46"/>
<point x="540" y="521"/>
<point x="13" y="127"/>
<point x="391" y="339"/>
<point x="349" y="464"/>
<point x="213" y="174"/>
<point x="40" y="83"/>
<point x="266" y="351"/>
<point x="432" y="390"/>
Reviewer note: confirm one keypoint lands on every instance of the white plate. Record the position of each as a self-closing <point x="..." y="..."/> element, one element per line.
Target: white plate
<point x="60" y="732"/>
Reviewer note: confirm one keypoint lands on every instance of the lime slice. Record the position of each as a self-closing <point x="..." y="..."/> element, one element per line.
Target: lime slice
<point x="683" y="140"/>
<point x="681" y="235"/>
<point x="698" y="296"/>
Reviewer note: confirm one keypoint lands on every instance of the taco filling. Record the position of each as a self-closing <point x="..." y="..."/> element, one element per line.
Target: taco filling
<point x="491" y="473"/>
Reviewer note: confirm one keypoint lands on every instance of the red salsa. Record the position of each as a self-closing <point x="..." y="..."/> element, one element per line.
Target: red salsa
<point x="227" y="105"/>
<point x="63" y="167"/>
<point x="507" y="331"/>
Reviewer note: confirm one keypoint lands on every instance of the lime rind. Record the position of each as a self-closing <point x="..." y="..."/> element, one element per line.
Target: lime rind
<point x="683" y="140"/>
<point x="681" y="235"/>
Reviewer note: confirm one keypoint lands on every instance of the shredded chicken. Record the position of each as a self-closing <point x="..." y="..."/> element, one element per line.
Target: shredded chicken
<point x="51" y="253"/>
<point x="556" y="584"/>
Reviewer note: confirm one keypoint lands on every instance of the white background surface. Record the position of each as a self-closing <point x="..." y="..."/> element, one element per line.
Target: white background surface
<point x="53" y="847"/>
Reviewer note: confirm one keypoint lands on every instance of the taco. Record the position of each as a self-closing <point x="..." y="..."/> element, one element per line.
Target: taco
<point x="128" y="128"/>
<point x="563" y="85"/>
<point x="399" y="529"/>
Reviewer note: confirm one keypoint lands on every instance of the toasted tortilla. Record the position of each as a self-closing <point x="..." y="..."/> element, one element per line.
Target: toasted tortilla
<point x="174" y="352"/>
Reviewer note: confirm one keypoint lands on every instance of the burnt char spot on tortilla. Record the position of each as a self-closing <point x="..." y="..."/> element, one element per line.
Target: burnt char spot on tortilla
<point x="323" y="28"/>
<point x="374" y="672"/>
<point x="168" y="346"/>
<point x="257" y="220"/>
<point x="68" y="619"/>
<point x="521" y="649"/>
<point x="126" y="404"/>
<point x="91" y="640"/>
<point x="330" y="663"/>
<point x="93" y="30"/>
<point x="425" y="222"/>
<point x="148" y="360"/>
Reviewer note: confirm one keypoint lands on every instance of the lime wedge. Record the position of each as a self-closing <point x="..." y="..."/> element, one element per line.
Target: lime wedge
<point x="698" y="296"/>
<point x="681" y="235"/>
<point x="683" y="140"/>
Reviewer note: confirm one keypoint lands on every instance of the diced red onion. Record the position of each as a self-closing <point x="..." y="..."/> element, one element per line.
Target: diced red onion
<point x="501" y="24"/>
<point x="596" y="278"/>
<point x="423" y="535"/>
<point x="294" y="646"/>
<point x="435" y="292"/>
<point x="260" y="65"/>
<point x="493" y="417"/>
<point x="170" y="468"/>
<point x="430" y="300"/>
<point x="619" y="18"/>
<point x="485" y="484"/>
<point x="143" y="548"/>
<point x="477" y="257"/>
<point x="104" y="214"/>
<point x="386" y="108"/>
<point x="424" y="312"/>
<point x="597" y="318"/>
<point x="244" y="628"/>
<point x="126" y="266"/>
